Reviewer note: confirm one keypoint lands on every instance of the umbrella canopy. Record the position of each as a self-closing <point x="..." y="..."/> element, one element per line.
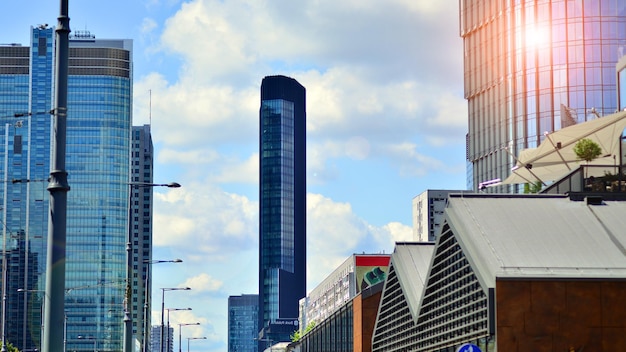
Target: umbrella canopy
<point x="555" y="157"/>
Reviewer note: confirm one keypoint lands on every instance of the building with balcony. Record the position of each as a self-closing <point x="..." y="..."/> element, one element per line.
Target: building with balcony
<point x="534" y="66"/>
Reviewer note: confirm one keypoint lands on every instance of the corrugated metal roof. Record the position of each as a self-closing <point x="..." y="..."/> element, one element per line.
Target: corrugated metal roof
<point x="411" y="261"/>
<point x="539" y="236"/>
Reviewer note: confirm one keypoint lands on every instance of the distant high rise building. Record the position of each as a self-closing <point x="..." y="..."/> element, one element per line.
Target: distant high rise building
<point x="532" y="66"/>
<point x="97" y="161"/>
<point x="141" y="170"/>
<point x="243" y="318"/>
<point x="155" y="339"/>
<point x="427" y="213"/>
<point x="282" y="198"/>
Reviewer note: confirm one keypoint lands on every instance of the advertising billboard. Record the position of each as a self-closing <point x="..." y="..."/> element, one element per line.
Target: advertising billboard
<point x="370" y="270"/>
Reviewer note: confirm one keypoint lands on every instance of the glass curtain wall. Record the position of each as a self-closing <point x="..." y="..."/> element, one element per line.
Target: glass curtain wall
<point x="533" y="66"/>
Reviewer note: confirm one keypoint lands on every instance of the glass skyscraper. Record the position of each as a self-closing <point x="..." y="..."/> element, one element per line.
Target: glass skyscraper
<point x="533" y="66"/>
<point x="97" y="161"/>
<point x="282" y="201"/>
<point x="243" y="317"/>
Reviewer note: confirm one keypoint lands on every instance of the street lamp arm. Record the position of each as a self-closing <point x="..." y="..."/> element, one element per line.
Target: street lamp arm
<point x="162" y="261"/>
<point x="146" y="184"/>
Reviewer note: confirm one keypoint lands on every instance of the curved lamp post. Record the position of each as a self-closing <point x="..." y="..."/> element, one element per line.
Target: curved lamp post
<point x="128" y="321"/>
<point x="194" y="338"/>
<point x="180" y="334"/>
<point x="167" y="341"/>
<point x="148" y="294"/>
<point x="163" y="310"/>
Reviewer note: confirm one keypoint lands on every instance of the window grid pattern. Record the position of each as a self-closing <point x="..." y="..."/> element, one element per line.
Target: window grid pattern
<point x="454" y="308"/>
<point x="529" y="66"/>
<point x="243" y="320"/>
<point x="141" y="226"/>
<point x="277" y="197"/>
<point x="25" y="148"/>
<point x="334" y="333"/>
<point x="395" y="327"/>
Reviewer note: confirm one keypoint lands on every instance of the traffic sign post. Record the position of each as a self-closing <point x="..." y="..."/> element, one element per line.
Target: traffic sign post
<point x="468" y="347"/>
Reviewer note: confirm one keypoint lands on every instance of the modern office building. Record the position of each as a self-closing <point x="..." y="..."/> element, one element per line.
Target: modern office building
<point x="141" y="171"/>
<point x="355" y="274"/>
<point x="155" y="339"/>
<point x="243" y="318"/>
<point x="347" y="329"/>
<point x="97" y="161"/>
<point x="427" y="213"/>
<point x="339" y="314"/>
<point x="282" y="200"/>
<point x="534" y="66"/>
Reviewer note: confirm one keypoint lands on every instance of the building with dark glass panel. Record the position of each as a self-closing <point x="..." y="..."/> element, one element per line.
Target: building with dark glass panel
<point x="533" y="66"/>
<point x="243" y="318"/>
<point x="97" y="161"/>
<point x="282" y="200"/>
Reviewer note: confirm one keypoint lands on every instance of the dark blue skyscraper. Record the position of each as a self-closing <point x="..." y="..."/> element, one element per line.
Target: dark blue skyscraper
<point x="282" y="199"/>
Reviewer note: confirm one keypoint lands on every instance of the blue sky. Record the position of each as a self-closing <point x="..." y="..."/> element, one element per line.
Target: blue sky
<point x="386" y="120"/>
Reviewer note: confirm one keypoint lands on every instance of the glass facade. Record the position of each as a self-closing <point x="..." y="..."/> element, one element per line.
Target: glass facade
<point x="282" y="228"/>
<point x="243" y="320"/>
<point x="25" y="122"/>
<point x="97" y="159"/>
<point x="98" y="149"/>
<point x="533" y="66"/>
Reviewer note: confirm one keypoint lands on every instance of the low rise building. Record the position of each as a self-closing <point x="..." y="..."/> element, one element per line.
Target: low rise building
<point x="514" y="273"/>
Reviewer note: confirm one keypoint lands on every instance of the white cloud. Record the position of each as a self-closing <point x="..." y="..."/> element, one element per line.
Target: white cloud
<point x="364" y="83"/>
<point x="204" y="223"/>
<point x="148" y="25"/>
<point x="202" y="283"/>
<point x="335" y="232"/>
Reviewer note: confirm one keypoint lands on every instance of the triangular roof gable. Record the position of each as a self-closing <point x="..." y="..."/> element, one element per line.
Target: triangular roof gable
<point x="411" y="262"/>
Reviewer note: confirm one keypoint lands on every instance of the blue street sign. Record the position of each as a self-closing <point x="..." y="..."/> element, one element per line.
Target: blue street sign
<point x="468" y="347"/>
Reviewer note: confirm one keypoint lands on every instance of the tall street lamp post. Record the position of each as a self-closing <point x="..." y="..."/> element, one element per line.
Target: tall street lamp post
<point x="168" y="324"/>
<point x="180" y="334"/>
<point x="128" y="321"/>
<point x="163" y="310"/>
<point x="146" y="304"/>
<point x="58" y="188"/>
<point x="194" y="338"/>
